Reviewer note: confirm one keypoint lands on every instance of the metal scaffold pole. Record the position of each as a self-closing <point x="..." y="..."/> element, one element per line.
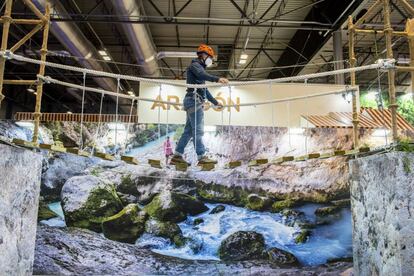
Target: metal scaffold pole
<point x="388" y="31"/>
<point x="6" y="20"/>
<point x="355" y="95"/>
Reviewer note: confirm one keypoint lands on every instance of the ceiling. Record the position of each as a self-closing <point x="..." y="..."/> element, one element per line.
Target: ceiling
<point x="280" y="38"/>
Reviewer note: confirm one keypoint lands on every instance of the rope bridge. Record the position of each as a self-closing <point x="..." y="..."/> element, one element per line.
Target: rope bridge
<point x="129" y="119"/>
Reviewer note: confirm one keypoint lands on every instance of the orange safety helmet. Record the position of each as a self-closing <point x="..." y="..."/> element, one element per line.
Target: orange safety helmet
<point x="204" y="48"/>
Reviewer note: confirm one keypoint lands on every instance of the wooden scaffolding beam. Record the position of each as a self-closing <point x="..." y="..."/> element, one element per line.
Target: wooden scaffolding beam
<point x="42" y="21"/>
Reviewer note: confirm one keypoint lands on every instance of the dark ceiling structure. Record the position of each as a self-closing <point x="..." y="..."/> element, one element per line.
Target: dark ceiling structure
<point x="255" y="39"/>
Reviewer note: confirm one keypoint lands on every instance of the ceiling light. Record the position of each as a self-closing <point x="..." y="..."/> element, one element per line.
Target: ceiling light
<point x="131" y="93"/>
<point x="244" y="56"/>
<point x="243" y="61"/>
<point x="69" y="112"/>
<point x="103" y="53"/>
<point x="106" y="58"/>
<point x="31" y="90"/>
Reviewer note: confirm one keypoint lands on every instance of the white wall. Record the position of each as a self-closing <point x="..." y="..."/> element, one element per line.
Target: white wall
<point x="248" y="116"/>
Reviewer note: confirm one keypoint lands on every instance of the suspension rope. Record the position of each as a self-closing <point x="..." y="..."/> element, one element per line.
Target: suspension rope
<point x="83" y="105"/>
<point x="106" y="92"/>
<point x="159" y="114"/>
<point x="380" y="64"/>
<point x="128" y="125"/>
<point x="230" y="105"/>
<point x="116" y="113"/>
<point x="288" y="125"/>
<point x="99" y="123"/>
<point x="307" y="126"/>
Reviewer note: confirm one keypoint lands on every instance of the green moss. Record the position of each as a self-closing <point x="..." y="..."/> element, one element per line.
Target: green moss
<point x="222" y="194"/>
<point x="174" y="207"/>
<point x="279" y="206"/>
<point x="125" y="226"/>
<point x="96" y="171"/>
<point x="303" y="236"/>
<point x="406" y="164"/>
<point x="102" y="202"/>
<point x="258" y="203"/>
<point x="405" y="144"/>
<point x="329" y="210"/>
<point x="167" y="230"/>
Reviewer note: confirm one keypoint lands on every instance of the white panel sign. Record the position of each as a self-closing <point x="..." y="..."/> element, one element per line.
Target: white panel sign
<point x="278" y="114"/>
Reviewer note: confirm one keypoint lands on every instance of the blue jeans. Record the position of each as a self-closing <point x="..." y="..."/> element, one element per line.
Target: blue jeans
<point x="194" y="127"/>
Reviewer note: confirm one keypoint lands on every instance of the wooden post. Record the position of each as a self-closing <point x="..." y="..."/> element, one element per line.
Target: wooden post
<point x="6" y="18"/>
<point x="409" y="29"/>
<point x="391" y="73"/>
<point x="43" y="53"/>
<point x="355" y="95"/>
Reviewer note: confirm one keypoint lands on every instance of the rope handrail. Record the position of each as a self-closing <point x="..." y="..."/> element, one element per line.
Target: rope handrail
<point x="106" y="92"/>
<point x="381" y="63"/>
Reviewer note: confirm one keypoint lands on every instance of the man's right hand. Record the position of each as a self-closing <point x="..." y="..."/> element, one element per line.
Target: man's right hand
<point x="223" y="80"/>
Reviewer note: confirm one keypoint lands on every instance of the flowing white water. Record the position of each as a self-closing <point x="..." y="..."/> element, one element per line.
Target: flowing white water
<point x="333" y="240"/>
<point x="327" y="242"/>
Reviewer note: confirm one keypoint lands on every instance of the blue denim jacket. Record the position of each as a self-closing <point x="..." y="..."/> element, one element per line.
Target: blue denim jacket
<point x="196" y="74"/>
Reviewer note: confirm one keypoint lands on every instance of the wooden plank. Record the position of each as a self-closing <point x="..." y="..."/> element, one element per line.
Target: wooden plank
<point x="339" y="152"/>
<point x="363" y="149"/>
<point x="308" y="156"/>
<point x="234" y="164"/>
<point x="51" y="147"/>
<point x="207" y="167"/>
<point x="129" y="159"/>
<point x="181" y="167"/>
<point x="326" y="155"/>
<point x="23" y="143"/>
<point x="282" y="159"/>
<point x="155" y="163"/>
<point x="258" y="162"/>
<point x="104" y="156"/>
<point x="351" y="152"/>
<point x="77" y="152"/>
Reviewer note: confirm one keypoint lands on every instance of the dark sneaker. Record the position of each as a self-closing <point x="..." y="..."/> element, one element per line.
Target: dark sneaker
<point x="205" y="160"/>
<point x="177" y="159"/>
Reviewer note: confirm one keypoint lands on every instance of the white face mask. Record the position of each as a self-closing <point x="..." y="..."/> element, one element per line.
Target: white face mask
<point x="208" y="61"/>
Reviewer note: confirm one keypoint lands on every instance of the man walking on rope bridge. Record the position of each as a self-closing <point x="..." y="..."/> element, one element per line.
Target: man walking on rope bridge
<point x="193" y="105"/>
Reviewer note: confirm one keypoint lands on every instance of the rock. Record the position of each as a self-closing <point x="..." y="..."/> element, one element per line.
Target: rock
<point x="174" y="207"/>
<point x="303" y="236"/>
<point x="167" y="230"/>
<point x="282" y="257"/>
<point x="342" y="202"/>
<point x="74" y="251"/>
<point x="217" y="209"/>
<point x="87" y="200"/>
<point x="44" y="212"/>
<point x="293" y="217"/>
<point x="258" y="203"/>
<point x="142" y="187"/>
<point x="283" y="204"/>
<point x="329" y="210"/>
<point x="20" y="172"/>
<point x="58" y="169"/>
<point x="218" y="193"/>
<point x="242" y="245"/>
<point x="127" y="199"/>
<point x="198" y="221"/>
<point x="125" y="226"/>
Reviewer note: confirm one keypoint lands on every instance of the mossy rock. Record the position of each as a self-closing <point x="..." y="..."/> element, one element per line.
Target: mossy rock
<point x="258" y="203"/>
<point x="281" y="257"/>
<point x="217" y="209"/>
<point x="87" y="201"/>
<point x="342" y="202"/>
<point x="279" y="206"/>
<point x="174" y="207"/>
<point x="303" y="236"/>
<point x="167" y="230"/>
<point x="325" y="211"/>
<point x="198" y="221"/>
<point x="138" y="186"/>
<point x="242" y="245"/>
<point x="126" y="226"/>
<point x="44" y="212"/>
<point x="222" y="194"/>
